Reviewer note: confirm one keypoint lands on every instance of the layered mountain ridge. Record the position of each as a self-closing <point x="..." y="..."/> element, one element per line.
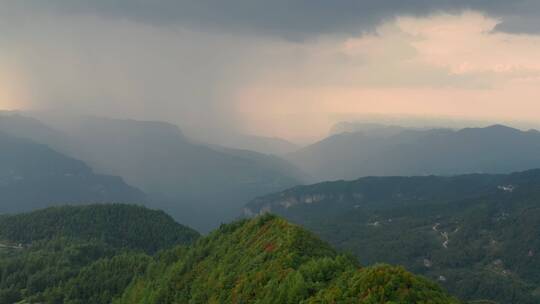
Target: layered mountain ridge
<point x="34" y="176"/>
<point x="199" y="185"/>
<point x="476" y="234"/>
<point x="390" y="151"/>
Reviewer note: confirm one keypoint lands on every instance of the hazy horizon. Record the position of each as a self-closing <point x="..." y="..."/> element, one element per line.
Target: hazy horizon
<point x="276" y="70"/>
<point x="212" y="135"/>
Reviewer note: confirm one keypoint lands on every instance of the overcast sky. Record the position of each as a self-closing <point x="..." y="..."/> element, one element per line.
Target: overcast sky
<point x="278" y="68"/>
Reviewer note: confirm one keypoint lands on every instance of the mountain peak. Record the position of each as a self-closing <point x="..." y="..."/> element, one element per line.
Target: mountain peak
<point x="500" y="127"/>
<point x="133" y="127"/>
<point x="268" y="260"/>
<point x="496" y="128"/>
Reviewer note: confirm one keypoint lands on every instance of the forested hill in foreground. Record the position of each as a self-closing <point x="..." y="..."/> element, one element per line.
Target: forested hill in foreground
<point x="268" y="260"/>
<point x="475" y="234"/>
<point x="34" y="176"/>
<point x="102" y="254"/>
<point x="84" y="254"/>
<point x="117" y="225"/>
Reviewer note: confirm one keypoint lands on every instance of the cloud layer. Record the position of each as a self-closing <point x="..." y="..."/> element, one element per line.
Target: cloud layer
<point x="279" y="68"/>
<point x="294" y="19"/>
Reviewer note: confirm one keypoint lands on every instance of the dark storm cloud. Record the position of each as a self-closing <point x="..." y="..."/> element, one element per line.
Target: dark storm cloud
<point x="211" y="63"/>
<point x="293" y="18"/>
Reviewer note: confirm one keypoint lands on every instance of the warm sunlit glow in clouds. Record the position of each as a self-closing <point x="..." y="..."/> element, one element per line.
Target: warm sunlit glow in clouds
<point x="11" y="91"/>
<point x="466" y="44"/>
<point x="443" y="65"/>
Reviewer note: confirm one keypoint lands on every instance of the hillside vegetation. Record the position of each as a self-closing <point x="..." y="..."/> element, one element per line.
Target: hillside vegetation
<point x="104" y="254"/>
<point x="268" y="260"/>
<point x="477" y="235"/>
<point x="83" y="254"/>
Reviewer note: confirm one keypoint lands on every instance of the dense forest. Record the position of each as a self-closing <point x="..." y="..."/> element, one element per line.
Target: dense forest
<point x="83" y="254"/>
<point x="118" y="225"/>
<point x="268" y="260"/>
<point x="477" y="235"/>
<point x="102" y="254"/>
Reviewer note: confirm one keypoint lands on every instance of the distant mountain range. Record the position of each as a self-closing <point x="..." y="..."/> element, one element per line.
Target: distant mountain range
<point x="204" y="185"/>
<point x="387" y="151"/>
<point x="476" y="234"/>
<point x="34" y="176"/>
<point x="261" y="144"/>
<point x="372" y="129"/>
<point x="199" y="185"/>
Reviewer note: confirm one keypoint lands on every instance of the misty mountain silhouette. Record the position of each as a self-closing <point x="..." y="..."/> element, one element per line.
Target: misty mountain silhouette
<point x="199" y="185"/>
<point x="494" y="149"/>
<point x="34" y="176"/>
